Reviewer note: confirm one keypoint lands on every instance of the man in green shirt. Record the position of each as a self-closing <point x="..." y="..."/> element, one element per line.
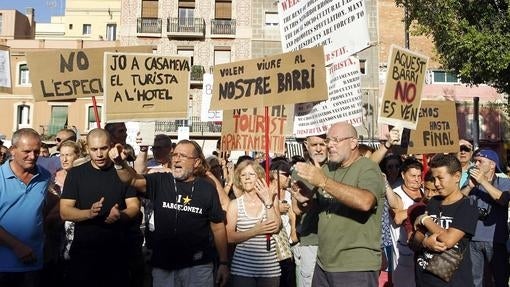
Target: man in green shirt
<point x="351" y="190"/>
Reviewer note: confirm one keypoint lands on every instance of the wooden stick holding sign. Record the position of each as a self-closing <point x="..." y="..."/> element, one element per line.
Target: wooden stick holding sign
<point x="268" y="180"/>
<point x="96" y="114"/>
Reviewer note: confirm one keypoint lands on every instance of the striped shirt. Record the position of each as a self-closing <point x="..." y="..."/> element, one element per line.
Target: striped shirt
<point x="251" y="259"/>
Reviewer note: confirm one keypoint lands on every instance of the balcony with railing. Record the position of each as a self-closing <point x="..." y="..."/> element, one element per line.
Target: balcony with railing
<point x="196" y="127"/>
<point x="223" y="28"/>
<point x="185" y="27"/>
<point x="148" y="27"/>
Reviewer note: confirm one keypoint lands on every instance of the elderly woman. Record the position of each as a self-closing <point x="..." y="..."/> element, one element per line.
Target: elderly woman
<point x="54" y="227"/>
<point x="251" y="219"/>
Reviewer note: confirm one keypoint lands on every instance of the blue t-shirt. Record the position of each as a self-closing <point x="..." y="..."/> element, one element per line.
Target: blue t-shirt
<point x="493" y="228"/>
<point x="21" y="214"/>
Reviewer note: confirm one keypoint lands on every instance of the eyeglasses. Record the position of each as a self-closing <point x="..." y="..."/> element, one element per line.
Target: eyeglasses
<point x="183" y="156"/>
<point x="465" y="148"/>
<point x="336" y="140"/>
<point x="248" y="174"/>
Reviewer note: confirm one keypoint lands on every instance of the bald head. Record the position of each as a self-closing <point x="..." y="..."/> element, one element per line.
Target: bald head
<point x="98" y="133"/>
<point x="343" y="129"/>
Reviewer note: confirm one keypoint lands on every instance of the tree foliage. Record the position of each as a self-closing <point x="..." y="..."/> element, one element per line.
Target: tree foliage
<point x="472" y="37"/>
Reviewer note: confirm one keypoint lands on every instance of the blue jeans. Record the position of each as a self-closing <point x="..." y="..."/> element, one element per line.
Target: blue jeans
<point x="496" y="255"/>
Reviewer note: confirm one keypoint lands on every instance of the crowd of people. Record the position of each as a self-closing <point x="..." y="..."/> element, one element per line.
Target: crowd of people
<point x="96" y="214"/>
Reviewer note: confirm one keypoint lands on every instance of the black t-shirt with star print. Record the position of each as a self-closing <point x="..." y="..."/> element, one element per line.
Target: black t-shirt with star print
<point x="183" y="212"/>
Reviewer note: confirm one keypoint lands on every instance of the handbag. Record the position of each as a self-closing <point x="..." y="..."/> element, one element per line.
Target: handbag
<point x="282" y="245"/>
<point x="444" y="264"/>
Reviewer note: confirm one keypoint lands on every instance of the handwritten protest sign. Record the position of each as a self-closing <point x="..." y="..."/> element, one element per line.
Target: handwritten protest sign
<point x="340" y="26"/>
<point x="5" y="69"/>
<point x="207" y="115"/>
<point x="404" y="84"/>
<point x="243" y="129"/>
<point x="437" y="130"/>
<point x="344" y="102"/>
<point x="289" y="78"/>
<point x="66" y="74"/>
<point x="145" y="86"/>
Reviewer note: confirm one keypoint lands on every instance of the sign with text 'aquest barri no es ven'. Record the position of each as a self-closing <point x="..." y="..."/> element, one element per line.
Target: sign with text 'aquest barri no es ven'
<point x="402" y="92"/>
<point x="66" y="74"/>
<point x="289" y="78"/>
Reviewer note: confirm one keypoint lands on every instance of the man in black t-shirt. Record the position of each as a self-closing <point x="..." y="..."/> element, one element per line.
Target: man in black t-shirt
<point x="187" y="215"/>
<point x="102" y="208"/>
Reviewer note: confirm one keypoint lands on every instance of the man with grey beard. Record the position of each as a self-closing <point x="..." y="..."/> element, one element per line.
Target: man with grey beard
<point x="187" y="210"/>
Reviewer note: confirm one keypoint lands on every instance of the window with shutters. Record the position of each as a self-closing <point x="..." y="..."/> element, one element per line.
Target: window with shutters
<point x="91" y="117"/>
<point x="187" y="52"/>
<point x="58" y="119"/>
<point x="223" y="9"/>
<point x="150" y="8"/>
<point x="222" y="56"/>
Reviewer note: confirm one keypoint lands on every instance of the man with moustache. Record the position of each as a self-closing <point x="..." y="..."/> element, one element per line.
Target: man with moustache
<point x="102" y="208"/>
<point x="187" y="214"/>
<point x="351" y="201"/>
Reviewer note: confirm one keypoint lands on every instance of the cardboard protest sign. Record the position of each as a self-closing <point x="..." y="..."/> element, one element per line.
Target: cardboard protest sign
<point x="5" y="69"/>
<point x="207" y="115"/>
<point x="437" y="130"/>
<point x="66" y="74"/>
<point x="404" y="83"/>
<point x="289" y="78"/>
<point x="147" y="133"/>
<point x="145" y="86"/>
<point x="340" y="26"/>
<point x="343" y="104"/>
<point x="243" y="129"/>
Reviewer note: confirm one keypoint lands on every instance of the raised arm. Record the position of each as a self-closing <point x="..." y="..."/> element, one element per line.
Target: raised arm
<point x="126" y="174"/>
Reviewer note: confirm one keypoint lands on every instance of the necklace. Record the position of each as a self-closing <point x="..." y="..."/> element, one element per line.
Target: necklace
<point x="185" y="201"/>
<point x="178" y="197"/>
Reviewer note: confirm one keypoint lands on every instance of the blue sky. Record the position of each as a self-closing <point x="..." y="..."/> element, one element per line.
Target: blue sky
<point x="44" y="9"/>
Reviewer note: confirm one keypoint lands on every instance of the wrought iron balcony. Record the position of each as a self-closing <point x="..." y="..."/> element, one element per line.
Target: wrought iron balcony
<point x="149" y="26"/>
<point x="196" y="126"/>
<point x="186" y="27"/>
<point x="223" y="27"/>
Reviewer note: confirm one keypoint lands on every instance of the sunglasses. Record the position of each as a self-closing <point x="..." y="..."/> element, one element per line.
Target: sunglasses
<point x="465" y="148"/>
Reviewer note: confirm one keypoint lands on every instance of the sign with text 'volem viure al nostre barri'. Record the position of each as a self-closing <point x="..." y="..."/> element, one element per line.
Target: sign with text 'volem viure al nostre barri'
<point x="289" y="78"/>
